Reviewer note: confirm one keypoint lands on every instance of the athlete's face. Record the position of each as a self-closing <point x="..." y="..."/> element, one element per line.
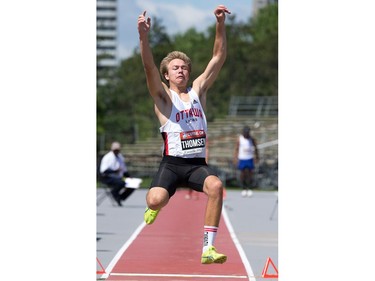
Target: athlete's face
<point x="178" y="72"/>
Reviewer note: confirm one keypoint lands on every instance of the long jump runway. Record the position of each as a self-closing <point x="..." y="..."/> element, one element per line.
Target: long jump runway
<point x="170" y="248"/>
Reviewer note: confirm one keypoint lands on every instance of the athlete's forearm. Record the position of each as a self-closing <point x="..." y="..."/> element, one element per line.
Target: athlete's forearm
<point x="220" y="44"/>
<point x="146" y="53"/>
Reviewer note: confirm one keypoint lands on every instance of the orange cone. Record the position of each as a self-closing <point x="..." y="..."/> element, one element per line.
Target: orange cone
<point x="265" y="269"/>
<point x="100" y="271"/>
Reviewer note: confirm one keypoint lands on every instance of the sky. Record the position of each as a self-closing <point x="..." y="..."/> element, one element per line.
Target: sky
<point x="177" y="16"/>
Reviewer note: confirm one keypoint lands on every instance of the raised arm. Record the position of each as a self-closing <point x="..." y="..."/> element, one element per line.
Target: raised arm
<point x="207" y="78"/>
<point x="155" y="86"/>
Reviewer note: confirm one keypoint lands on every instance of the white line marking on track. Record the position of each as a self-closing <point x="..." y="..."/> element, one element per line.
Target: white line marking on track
<point x="122" y="250"/>
<point x="244" y="259"/>
<point x="180" y="275"/>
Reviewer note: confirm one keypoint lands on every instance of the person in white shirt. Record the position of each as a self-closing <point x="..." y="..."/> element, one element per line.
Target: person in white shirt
<point x="112" y="172"/>
<point x="183" y="126"/>
<point x="245" y="155"/>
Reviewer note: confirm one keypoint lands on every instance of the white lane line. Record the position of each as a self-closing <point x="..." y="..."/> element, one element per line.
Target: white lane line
<point x="180" y="275"/>
<point x="244" y="259"/>
<point x="240" y="250"/>
<point x="122" y="250"/>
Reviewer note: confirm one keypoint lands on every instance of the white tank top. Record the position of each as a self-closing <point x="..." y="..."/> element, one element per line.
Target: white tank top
<point x="184" y="134"/>
<point x="246" y="149"/>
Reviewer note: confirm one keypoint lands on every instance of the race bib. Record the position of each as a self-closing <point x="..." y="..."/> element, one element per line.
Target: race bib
<point x="193" y="141"/>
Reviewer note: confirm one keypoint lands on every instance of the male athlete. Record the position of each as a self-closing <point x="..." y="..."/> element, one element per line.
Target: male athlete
<point x="180" y="111"/>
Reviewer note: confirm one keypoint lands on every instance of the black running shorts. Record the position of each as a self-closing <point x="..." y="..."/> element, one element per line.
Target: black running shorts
<point x="177" y="172"/>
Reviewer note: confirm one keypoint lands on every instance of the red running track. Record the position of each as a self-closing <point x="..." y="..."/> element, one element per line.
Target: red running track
<point x="170" y="248"/>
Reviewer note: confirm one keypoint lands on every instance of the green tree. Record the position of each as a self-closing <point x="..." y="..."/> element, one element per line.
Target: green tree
<point x="264" y="52"/>
<point x="124" y="109"/>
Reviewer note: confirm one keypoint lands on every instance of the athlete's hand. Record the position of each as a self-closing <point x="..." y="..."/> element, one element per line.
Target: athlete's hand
<point x="220" y="13"/>
<point x="143" y="24"/>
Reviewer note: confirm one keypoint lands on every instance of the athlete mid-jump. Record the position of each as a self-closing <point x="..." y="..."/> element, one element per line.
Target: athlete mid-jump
<point x="180" y="111"/>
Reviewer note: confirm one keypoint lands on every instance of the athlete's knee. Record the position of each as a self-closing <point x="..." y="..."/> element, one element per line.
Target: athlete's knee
<point x="213" y="186"/>
<point x="157" y="198"/>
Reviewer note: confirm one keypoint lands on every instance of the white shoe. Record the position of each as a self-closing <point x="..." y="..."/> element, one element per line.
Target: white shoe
<point x="243" y="193"/>
<point x="249" y="193"/>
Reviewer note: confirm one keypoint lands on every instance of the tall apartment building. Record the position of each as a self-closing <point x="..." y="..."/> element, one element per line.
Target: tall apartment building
<point x="106" y="34"/>
<point x="259" y="4"/>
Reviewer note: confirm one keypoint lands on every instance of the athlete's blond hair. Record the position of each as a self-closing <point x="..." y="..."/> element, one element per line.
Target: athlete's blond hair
<point x="171" y="56"/>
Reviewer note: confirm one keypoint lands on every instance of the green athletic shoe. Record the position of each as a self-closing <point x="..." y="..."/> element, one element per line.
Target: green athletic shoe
<point x="211" y="256"/>
<point x="150" y="215"/>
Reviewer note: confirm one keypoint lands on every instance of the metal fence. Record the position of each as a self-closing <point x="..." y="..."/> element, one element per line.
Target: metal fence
<point x="254" y="106"/>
